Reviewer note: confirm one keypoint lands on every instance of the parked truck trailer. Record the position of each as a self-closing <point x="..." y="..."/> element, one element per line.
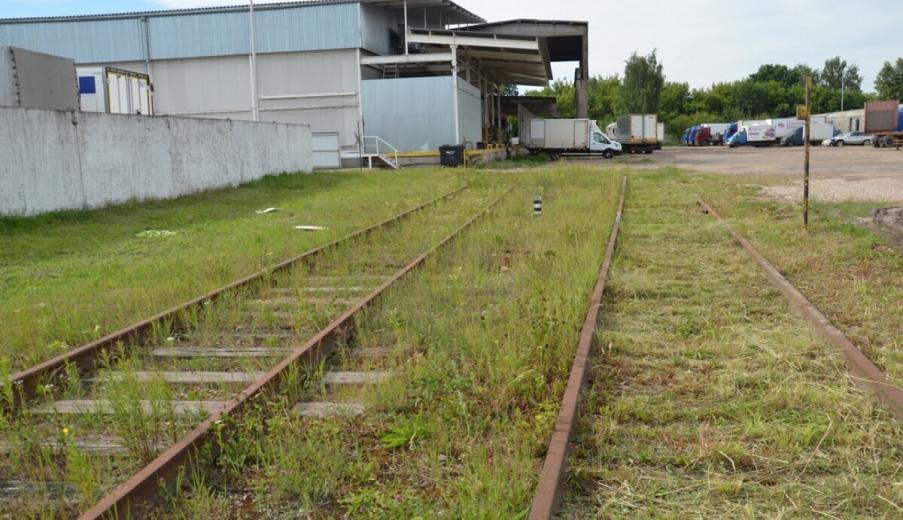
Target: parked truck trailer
<point x="556" y="137"/>
<point x="637" y="133"/>
<point x="884" y="120"/>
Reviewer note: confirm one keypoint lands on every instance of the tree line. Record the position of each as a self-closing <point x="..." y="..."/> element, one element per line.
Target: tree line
<point x="774" y="90"/>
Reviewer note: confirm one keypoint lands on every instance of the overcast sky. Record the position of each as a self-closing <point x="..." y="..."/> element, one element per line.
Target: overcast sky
<point x="698" y="41"/>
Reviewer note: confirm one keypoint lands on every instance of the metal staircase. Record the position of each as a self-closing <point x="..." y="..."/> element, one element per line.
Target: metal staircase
<point x="375" y="147"/>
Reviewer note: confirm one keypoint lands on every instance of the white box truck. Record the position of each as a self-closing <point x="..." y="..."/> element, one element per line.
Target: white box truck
<point x="637" y="133"/>
<point x="760" y="134"/>
<point x="568" y="136"/>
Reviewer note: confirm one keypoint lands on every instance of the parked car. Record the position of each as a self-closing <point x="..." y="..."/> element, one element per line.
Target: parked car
<point x="856" y="138"/>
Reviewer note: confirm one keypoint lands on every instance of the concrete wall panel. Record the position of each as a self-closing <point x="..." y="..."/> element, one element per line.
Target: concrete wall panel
<point x="49" y="163"/>
<point x="39" y="156"/>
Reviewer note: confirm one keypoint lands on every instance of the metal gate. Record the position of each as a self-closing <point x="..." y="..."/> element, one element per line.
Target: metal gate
<point x="326" y="152"/>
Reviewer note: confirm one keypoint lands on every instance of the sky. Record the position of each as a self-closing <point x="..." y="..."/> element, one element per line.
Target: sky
<point x="700" y="42"/>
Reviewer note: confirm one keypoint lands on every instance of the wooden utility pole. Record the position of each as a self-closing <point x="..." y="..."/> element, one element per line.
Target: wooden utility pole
<point x="807" y="137"/>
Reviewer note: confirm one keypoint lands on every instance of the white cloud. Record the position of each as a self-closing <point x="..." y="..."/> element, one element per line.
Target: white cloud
<point x="702" y="42"/>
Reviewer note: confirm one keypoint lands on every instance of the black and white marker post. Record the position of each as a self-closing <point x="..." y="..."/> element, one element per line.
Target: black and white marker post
<point x="537" y="206"/>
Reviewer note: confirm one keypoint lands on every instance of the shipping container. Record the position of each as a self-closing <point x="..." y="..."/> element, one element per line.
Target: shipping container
<point x="884" y="120"/>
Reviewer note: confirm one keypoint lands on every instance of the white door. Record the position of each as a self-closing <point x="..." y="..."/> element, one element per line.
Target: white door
<point x="537" y="133"/>
<point x="581" y="134"/>
<point x="326" y="152"/>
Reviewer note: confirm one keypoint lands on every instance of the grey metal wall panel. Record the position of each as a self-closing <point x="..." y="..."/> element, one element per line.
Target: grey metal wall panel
<point x="410" y="113"/>
<point x="309" y="28"/>
<point x="84" y="41"/>
<point x="469" y="108"/>
<point x="376" y="22"/>
<point x="297" y="28"/>
<point x="202" y="85"/>
<point x="213" y="34"/>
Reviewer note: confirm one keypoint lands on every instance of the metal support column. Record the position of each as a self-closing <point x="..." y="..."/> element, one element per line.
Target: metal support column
<point x="405" y="26"/>
<point x="454" y="78"/>
<point x="255" y="109"/>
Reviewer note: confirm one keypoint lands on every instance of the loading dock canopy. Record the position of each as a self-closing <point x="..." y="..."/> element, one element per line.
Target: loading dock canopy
<point x="565" y="40"/>
<point x="516" y="59"/>
<point x="446" y="11"/>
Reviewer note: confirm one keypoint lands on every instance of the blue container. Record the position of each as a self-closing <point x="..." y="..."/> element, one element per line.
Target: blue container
<point x="900" y="120"/>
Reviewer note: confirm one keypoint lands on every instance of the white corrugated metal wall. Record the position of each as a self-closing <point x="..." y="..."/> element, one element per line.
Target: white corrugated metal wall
<point x="417" y="114"/>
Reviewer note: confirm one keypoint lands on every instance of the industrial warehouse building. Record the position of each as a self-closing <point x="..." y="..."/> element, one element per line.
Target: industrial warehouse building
<point x="413" y="75"/>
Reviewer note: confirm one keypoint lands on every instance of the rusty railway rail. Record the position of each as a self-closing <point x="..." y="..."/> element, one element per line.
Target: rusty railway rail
<point x="85" y="357"/>
<point x="554" y="468"/>
<point x="132" y="498"/>
<point x="863" y="372"/>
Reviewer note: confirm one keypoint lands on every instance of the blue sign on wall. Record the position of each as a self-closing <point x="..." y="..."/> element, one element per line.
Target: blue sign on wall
<point x="86" y="85"/>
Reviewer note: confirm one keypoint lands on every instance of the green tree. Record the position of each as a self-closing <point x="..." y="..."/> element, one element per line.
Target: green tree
<point x="641" y="88"/>
<point x="889" y="81"/>
<point x="675" y="100"/>
<point x="836" y="73"/>
<point x="563" y="92"/>
<point x="509" y="90"/>
<point x="603" y="97"/>
<point x="776" y="72"/>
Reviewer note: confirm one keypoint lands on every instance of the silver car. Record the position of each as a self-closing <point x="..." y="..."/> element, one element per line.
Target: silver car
<point x="857" y="138"/>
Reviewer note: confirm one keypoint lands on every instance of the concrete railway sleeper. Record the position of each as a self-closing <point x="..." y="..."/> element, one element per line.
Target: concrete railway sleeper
<point x="182" y="392"/>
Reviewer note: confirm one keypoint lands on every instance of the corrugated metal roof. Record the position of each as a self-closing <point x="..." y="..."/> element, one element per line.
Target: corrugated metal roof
<point x="467" y="16"/>
<point x="212" y="31"/>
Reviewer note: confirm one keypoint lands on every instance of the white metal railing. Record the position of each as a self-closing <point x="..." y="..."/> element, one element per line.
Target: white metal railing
<point x="375" y="146"/>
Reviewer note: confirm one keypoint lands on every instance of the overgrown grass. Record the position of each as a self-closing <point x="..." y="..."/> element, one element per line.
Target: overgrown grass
<point x="70" y="277"/>
<point x="853" y="274"/>
<point x="711" y="398"/>
<point x="43" y="449"/>
<point x="481" y="343"/>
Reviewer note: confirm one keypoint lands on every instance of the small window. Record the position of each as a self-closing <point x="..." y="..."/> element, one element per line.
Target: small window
<point x="86" y="85"/>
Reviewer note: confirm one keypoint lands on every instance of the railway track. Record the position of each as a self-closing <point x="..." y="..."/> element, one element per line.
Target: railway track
<point x="863" y="372"/>
<point x="140" y="405"/>
<point x="554" y="468"/>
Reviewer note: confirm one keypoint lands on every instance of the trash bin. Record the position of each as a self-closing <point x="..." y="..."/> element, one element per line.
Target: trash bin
<point x="451" y="155"/>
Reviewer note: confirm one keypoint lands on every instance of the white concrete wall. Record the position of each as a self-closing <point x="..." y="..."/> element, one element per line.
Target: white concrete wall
<point x="52" y="160"/>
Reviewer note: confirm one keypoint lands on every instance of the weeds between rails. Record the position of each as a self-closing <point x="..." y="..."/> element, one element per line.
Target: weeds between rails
<point x="482" y="339"/>
<point x="66" y="470"/>
<point x="713" y="398"/>
<point x="69" y="278"/>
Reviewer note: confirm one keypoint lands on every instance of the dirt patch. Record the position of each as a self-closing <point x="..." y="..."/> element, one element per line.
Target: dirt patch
<point x="882" y="189"/>
<point x="888" y="220"/>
